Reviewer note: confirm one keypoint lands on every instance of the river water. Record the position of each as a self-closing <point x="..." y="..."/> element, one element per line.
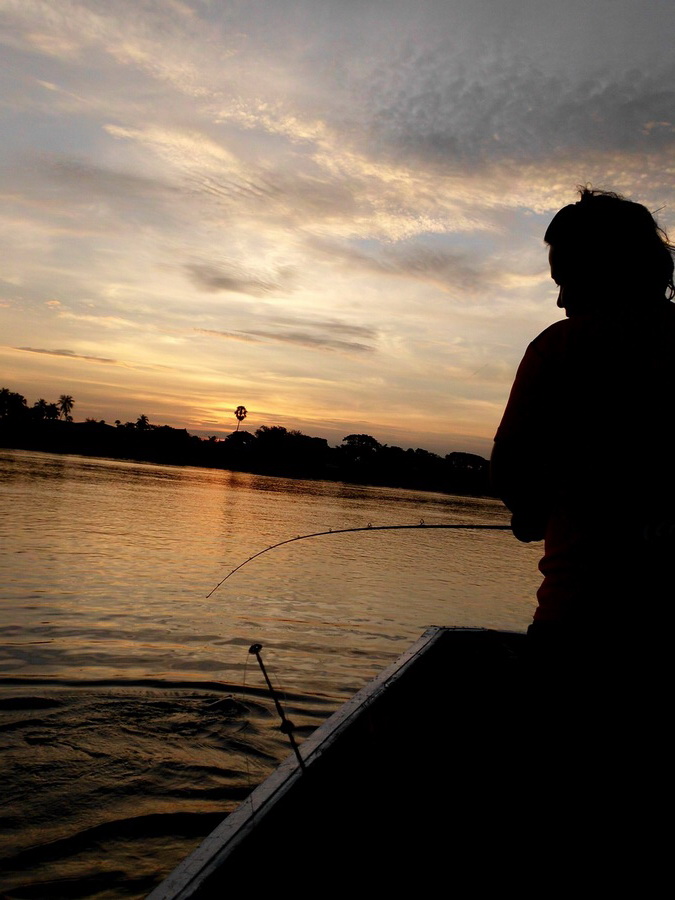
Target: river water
<point x="132" y="716"/>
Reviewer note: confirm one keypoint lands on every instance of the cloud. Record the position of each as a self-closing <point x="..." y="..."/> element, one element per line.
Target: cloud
<point x="101" y="319"/>
<point x="314" y="342"/>
<point x="87" y="178"/>
<point x="329" y="325"/>
<point x="231" y="335"/>
<point x="179" y="145"/>
<point x="161" y="38"/>
<point x="305" y="339"/>
<point x="464" y="272"/>
<point x="213" y="279"/>
<point x="69" y="354"/>
<point x="511" y="108"/>
<point x="304" y="331"/>
<point x="387" y="166"/>
<point x="242" y="177"/>
<point x="74" y="189"/>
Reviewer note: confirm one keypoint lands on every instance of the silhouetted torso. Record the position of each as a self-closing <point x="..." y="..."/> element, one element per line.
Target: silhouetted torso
<point x="591" y="412"/>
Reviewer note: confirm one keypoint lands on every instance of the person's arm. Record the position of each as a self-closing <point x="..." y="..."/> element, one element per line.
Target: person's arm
<point x="514" y="478"/>
<point x="520" y="458"/>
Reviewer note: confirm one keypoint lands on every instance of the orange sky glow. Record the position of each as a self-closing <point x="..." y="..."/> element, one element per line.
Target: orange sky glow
<point x="330" y="213"/>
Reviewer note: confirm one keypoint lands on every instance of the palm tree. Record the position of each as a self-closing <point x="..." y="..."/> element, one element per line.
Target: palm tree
<point x="241" y="413"/>
<point x="40" y="408"/>
<point x="142" y="423"/>
<point x="65" y="405"/>
<point x="12" y="405"/>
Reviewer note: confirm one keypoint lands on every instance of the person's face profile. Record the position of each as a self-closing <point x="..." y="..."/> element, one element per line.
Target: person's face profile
<point x="551" y="257"/>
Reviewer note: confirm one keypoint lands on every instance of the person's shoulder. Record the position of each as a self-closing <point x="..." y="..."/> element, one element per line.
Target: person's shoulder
<point x="554" y="331"/>
<point x="551" y="338"/>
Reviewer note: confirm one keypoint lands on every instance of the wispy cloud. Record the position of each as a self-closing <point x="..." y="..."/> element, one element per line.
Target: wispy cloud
<point x="311" y="181"/>
<point x="230" y="335"/>
<point x="213" y="279"/>
<point x="332" y="326"/>
<point x="69" y="354"/>
<point x="447" y="268"/>
<point x="295" y="338"/>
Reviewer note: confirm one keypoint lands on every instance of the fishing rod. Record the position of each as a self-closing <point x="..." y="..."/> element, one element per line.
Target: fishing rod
<point x="368" y="527"/>
<point x="287" y="727"/>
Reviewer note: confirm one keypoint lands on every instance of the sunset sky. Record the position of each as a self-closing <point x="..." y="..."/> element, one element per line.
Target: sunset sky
<point x="328" y="211"/>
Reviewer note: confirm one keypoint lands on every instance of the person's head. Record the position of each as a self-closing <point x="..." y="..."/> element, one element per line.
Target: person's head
<point x="606" y="250"/>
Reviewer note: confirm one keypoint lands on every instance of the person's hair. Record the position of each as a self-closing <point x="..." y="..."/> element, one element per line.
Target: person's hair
<point x="611" y="245"/>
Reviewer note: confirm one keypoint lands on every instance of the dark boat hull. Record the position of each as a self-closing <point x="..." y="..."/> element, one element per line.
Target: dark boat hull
<point x="411" y="767"/>
<point x="510" y="766"/>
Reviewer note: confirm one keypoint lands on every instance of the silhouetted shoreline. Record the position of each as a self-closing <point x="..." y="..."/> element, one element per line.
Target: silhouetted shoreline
<point x="272" y="450"/>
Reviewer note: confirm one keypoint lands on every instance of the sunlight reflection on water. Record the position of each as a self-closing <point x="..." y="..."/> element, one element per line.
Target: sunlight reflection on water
<point x="109" y="563"/>
<point x="112" y="656"/>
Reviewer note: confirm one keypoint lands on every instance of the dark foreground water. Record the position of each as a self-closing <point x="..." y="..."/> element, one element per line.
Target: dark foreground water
<point x="131" y="717"/>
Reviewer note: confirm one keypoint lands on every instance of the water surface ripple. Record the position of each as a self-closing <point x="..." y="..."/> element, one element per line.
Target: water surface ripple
<point x="131" y="715"/>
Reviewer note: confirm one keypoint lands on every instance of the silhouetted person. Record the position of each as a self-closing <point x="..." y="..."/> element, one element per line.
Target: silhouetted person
<point x="584" y="459"/>
<point x="584" y="454"/>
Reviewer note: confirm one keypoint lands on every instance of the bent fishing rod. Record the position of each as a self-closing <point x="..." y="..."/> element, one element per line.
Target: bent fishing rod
<point x="368" y="527"/>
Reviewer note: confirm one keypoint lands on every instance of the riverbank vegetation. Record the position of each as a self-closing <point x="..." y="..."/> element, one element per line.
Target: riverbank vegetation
<point x="270" y="450"/>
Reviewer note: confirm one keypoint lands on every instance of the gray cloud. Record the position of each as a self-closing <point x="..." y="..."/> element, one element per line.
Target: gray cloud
<point x="312" y="341"/>
<point x="329" y="325"/>
<point x="69" y="354"/>
<point x="448" y="268"/>
<point x="88" y="177"/>
<point x="512" y="108"/>
<point x="234" y="189"/>
<point x="305" y="339"/>
<point x="56" y="182"/>
<point x="230" y="335"/>
<point x="451" y="269"/>
<point x="389" y="151"/>
<point x="282" y="194"/>
<point x="214" y="279"/>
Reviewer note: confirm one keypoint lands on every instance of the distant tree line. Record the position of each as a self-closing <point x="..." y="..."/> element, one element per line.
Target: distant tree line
<point x="271" y="450"/>
<point x="14" y="407"/>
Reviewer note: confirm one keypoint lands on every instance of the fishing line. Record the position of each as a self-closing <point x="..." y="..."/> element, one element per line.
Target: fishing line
<point x="246" y="755"/>
<point x="286" y="727"/>
<point x="368" y="527"/>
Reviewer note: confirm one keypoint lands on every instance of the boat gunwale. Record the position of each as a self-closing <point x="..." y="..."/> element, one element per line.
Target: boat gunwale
<point x="190" y="875"/>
